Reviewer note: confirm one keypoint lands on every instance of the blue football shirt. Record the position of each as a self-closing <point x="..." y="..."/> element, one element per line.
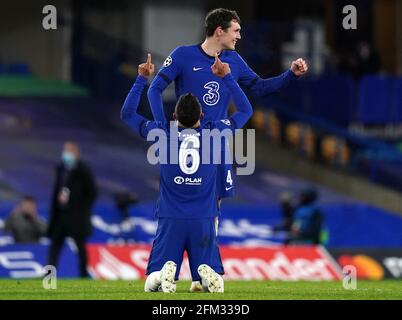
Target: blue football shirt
<point x="190" y="68"/>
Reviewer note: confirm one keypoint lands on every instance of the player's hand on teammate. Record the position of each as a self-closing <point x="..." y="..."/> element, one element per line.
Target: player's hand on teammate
<point x="146" y="69"/>
<point x="299" y="67"/>
<point x="220" y="68"/>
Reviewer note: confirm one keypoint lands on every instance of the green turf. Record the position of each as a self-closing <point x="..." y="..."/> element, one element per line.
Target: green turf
<point x="31" y="86"/>
<point x="248" y="290"/>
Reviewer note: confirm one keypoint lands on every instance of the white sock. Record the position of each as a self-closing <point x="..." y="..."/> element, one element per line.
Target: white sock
<point x="196" y="286"/>
<point x="153" y="282"/>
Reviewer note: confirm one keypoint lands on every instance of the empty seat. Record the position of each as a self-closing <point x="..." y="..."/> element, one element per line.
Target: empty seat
<point x="375" y="101"/>
<point x="398" y="99"/>
<point x="3" y="69"/>
<point x="19" y="69"/>
<point x="333" y="98"/>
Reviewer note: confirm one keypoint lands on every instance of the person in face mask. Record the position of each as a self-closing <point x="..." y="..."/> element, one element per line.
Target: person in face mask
<point x="74" y="194"/>
<point x="69" y="156"/>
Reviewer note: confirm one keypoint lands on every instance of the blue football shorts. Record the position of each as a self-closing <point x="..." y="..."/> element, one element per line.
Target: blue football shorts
<point x="196" y="236"/>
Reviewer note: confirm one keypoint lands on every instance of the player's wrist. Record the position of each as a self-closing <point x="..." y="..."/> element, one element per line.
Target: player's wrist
<point x="142" y="79"/>
<point x="228" y="77"/>
<point x="292" y="73"/>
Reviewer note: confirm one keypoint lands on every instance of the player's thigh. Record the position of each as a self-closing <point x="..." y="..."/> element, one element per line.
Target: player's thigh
<point x="168" y="244"/>
<point x="202" y="246"/>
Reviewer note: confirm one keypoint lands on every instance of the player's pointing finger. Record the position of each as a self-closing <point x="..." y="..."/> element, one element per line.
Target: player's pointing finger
<point x="149" y="59"/>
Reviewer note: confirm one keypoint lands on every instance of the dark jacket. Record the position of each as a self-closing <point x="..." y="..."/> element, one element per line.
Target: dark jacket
<point x="25" y="229"/>
<point x="74" y="218"/>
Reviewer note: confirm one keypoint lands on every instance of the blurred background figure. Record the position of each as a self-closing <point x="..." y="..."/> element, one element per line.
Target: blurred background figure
<point x="287" y="210"/>
<point x="308" y="219"/>
<point x="368" y="59"/>
<point x="74" y="194"/>
<point x="123" y="201"/>
<point x="24" y="222"/>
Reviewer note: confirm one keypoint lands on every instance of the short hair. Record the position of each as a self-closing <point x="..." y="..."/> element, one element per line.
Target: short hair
<point x="219" y="18"/>
<point x="28" y="198"/>
<point x="73" y="143"/>
<point x="188" y="110"/>
<point x="308" y="196"/>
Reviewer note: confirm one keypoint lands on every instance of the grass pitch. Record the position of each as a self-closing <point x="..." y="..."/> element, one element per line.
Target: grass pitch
<point x="234" y="290"/>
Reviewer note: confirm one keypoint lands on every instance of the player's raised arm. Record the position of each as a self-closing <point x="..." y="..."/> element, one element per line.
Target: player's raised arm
<point x="243" y="106"/>
<point x="262" y="87"/>
<point x="128" y="112"/>
<point x="170" y="70"/>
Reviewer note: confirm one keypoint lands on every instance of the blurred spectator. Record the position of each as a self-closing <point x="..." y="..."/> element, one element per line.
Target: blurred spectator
<point x="74" y="194"/>
<point x="363" y="59"/>
<point x="287" y="209"/>
<point x="123" y="201"/>
<point x="368" y="59"/>
<point x="24" y="223"/>
<point x="345" y="60"/>
<point x="307" y="220"/>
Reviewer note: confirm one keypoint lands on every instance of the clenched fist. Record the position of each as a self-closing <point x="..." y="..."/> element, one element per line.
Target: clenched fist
<point x="299" y="67"/>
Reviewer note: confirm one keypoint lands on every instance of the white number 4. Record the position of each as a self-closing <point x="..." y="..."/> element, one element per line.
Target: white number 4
<point x="229" y="178"/>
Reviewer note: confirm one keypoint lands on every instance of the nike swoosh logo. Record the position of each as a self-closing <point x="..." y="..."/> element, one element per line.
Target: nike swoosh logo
<point x="227" y="189"/>
<point x="196" y="69"/>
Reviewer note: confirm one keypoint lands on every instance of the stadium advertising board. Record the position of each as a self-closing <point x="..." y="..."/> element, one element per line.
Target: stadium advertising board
<point x="28" y="261"/>
<point x="129" y="262"/>
<point x="274" y="263"/>
<point x="371" y="264"/>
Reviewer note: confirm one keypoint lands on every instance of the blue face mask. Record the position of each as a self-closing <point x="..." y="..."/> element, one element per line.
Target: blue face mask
<point x="68" y="159"/>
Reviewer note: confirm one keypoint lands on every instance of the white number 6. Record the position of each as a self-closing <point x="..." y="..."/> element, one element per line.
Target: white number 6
<point x="186" y="151"/>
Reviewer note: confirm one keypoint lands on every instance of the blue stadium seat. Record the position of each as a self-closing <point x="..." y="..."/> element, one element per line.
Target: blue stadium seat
<point x="19" y="69"/>
<point x="299" y="94"/>
<point x="255" y="34"/>
<point x="333" y="98"/>
<point x="398" y="99"/>
<point x="3" y="68"/>
<point x="375" y="101"/>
